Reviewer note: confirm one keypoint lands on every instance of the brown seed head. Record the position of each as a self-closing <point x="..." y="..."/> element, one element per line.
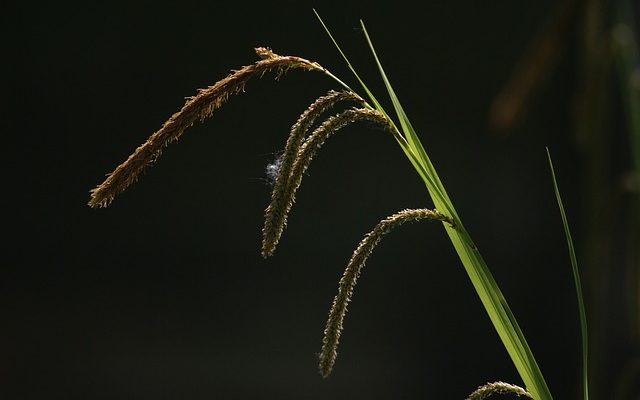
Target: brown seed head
<point x="198" y="107"/>
<point x="334" y="326"/>
<point x="282" y="202"/>
<point x="294" y="141"/>
<point x="498" y="388"/>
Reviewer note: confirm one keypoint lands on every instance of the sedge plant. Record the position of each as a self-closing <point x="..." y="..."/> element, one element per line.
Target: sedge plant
<point x="287" y="172"/>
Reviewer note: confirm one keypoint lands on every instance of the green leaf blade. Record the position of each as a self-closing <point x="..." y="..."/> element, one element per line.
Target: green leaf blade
<point x="344" y="56"/>
<point x="407" y="127"/>
<point x="576" y="280"/>
<point x="485" y="285"/>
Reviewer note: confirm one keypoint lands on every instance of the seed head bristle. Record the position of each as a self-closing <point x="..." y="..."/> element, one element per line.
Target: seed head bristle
<point x="282" y="202"/>
<point x="334" y="325"/>
<point x="265" y="53"/>
<point x="498" y="388"/>
<point x="286" y="160"/>
<point x="198" y="107"/>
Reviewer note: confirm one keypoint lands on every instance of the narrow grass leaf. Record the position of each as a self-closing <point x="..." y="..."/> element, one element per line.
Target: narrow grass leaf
<point x="481" y="278"/>
<point x="407" y="127"/>
<point x="399" y="138"/>
<point x="490" y="294"/>
<point x="576" y="279"/>
<point x="335" y="43"/>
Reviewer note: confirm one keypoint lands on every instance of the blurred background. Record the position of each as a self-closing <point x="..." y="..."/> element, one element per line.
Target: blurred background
<point x="164" y="295"/>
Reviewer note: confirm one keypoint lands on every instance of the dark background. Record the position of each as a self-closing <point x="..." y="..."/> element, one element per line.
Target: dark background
<point x="164" y="294"/>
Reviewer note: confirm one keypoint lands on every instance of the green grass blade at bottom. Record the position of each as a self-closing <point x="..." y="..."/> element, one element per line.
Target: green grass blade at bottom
<point x="483" y="282"/>
<point x="490" y="294"/>
<point x="407" y="127"/>
<point x="576" y="279"/>
<point x="499" y="312"/>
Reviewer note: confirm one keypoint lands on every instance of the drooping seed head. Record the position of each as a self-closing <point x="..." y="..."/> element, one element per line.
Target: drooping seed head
<point x="334" y="325"/>
<point x="283" y="199"/>
<point x="198" y="107"/>
<point x="288" y="157"/>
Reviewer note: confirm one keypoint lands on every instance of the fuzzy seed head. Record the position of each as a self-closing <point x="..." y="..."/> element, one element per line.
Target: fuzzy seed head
<point x="274" y="218"/>
<point x="198" y="107"/>
<point x="285" y="189"/>
<point x="498" y="388"/>
<point x="334" y="325"/>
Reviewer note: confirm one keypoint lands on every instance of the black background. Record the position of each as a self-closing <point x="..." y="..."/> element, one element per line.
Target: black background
<point x="164" y="295"/>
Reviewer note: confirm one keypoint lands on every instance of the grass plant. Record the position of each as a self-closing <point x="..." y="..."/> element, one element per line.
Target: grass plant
<point x="288" y="171"/>
<point x="576" y="279"/>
